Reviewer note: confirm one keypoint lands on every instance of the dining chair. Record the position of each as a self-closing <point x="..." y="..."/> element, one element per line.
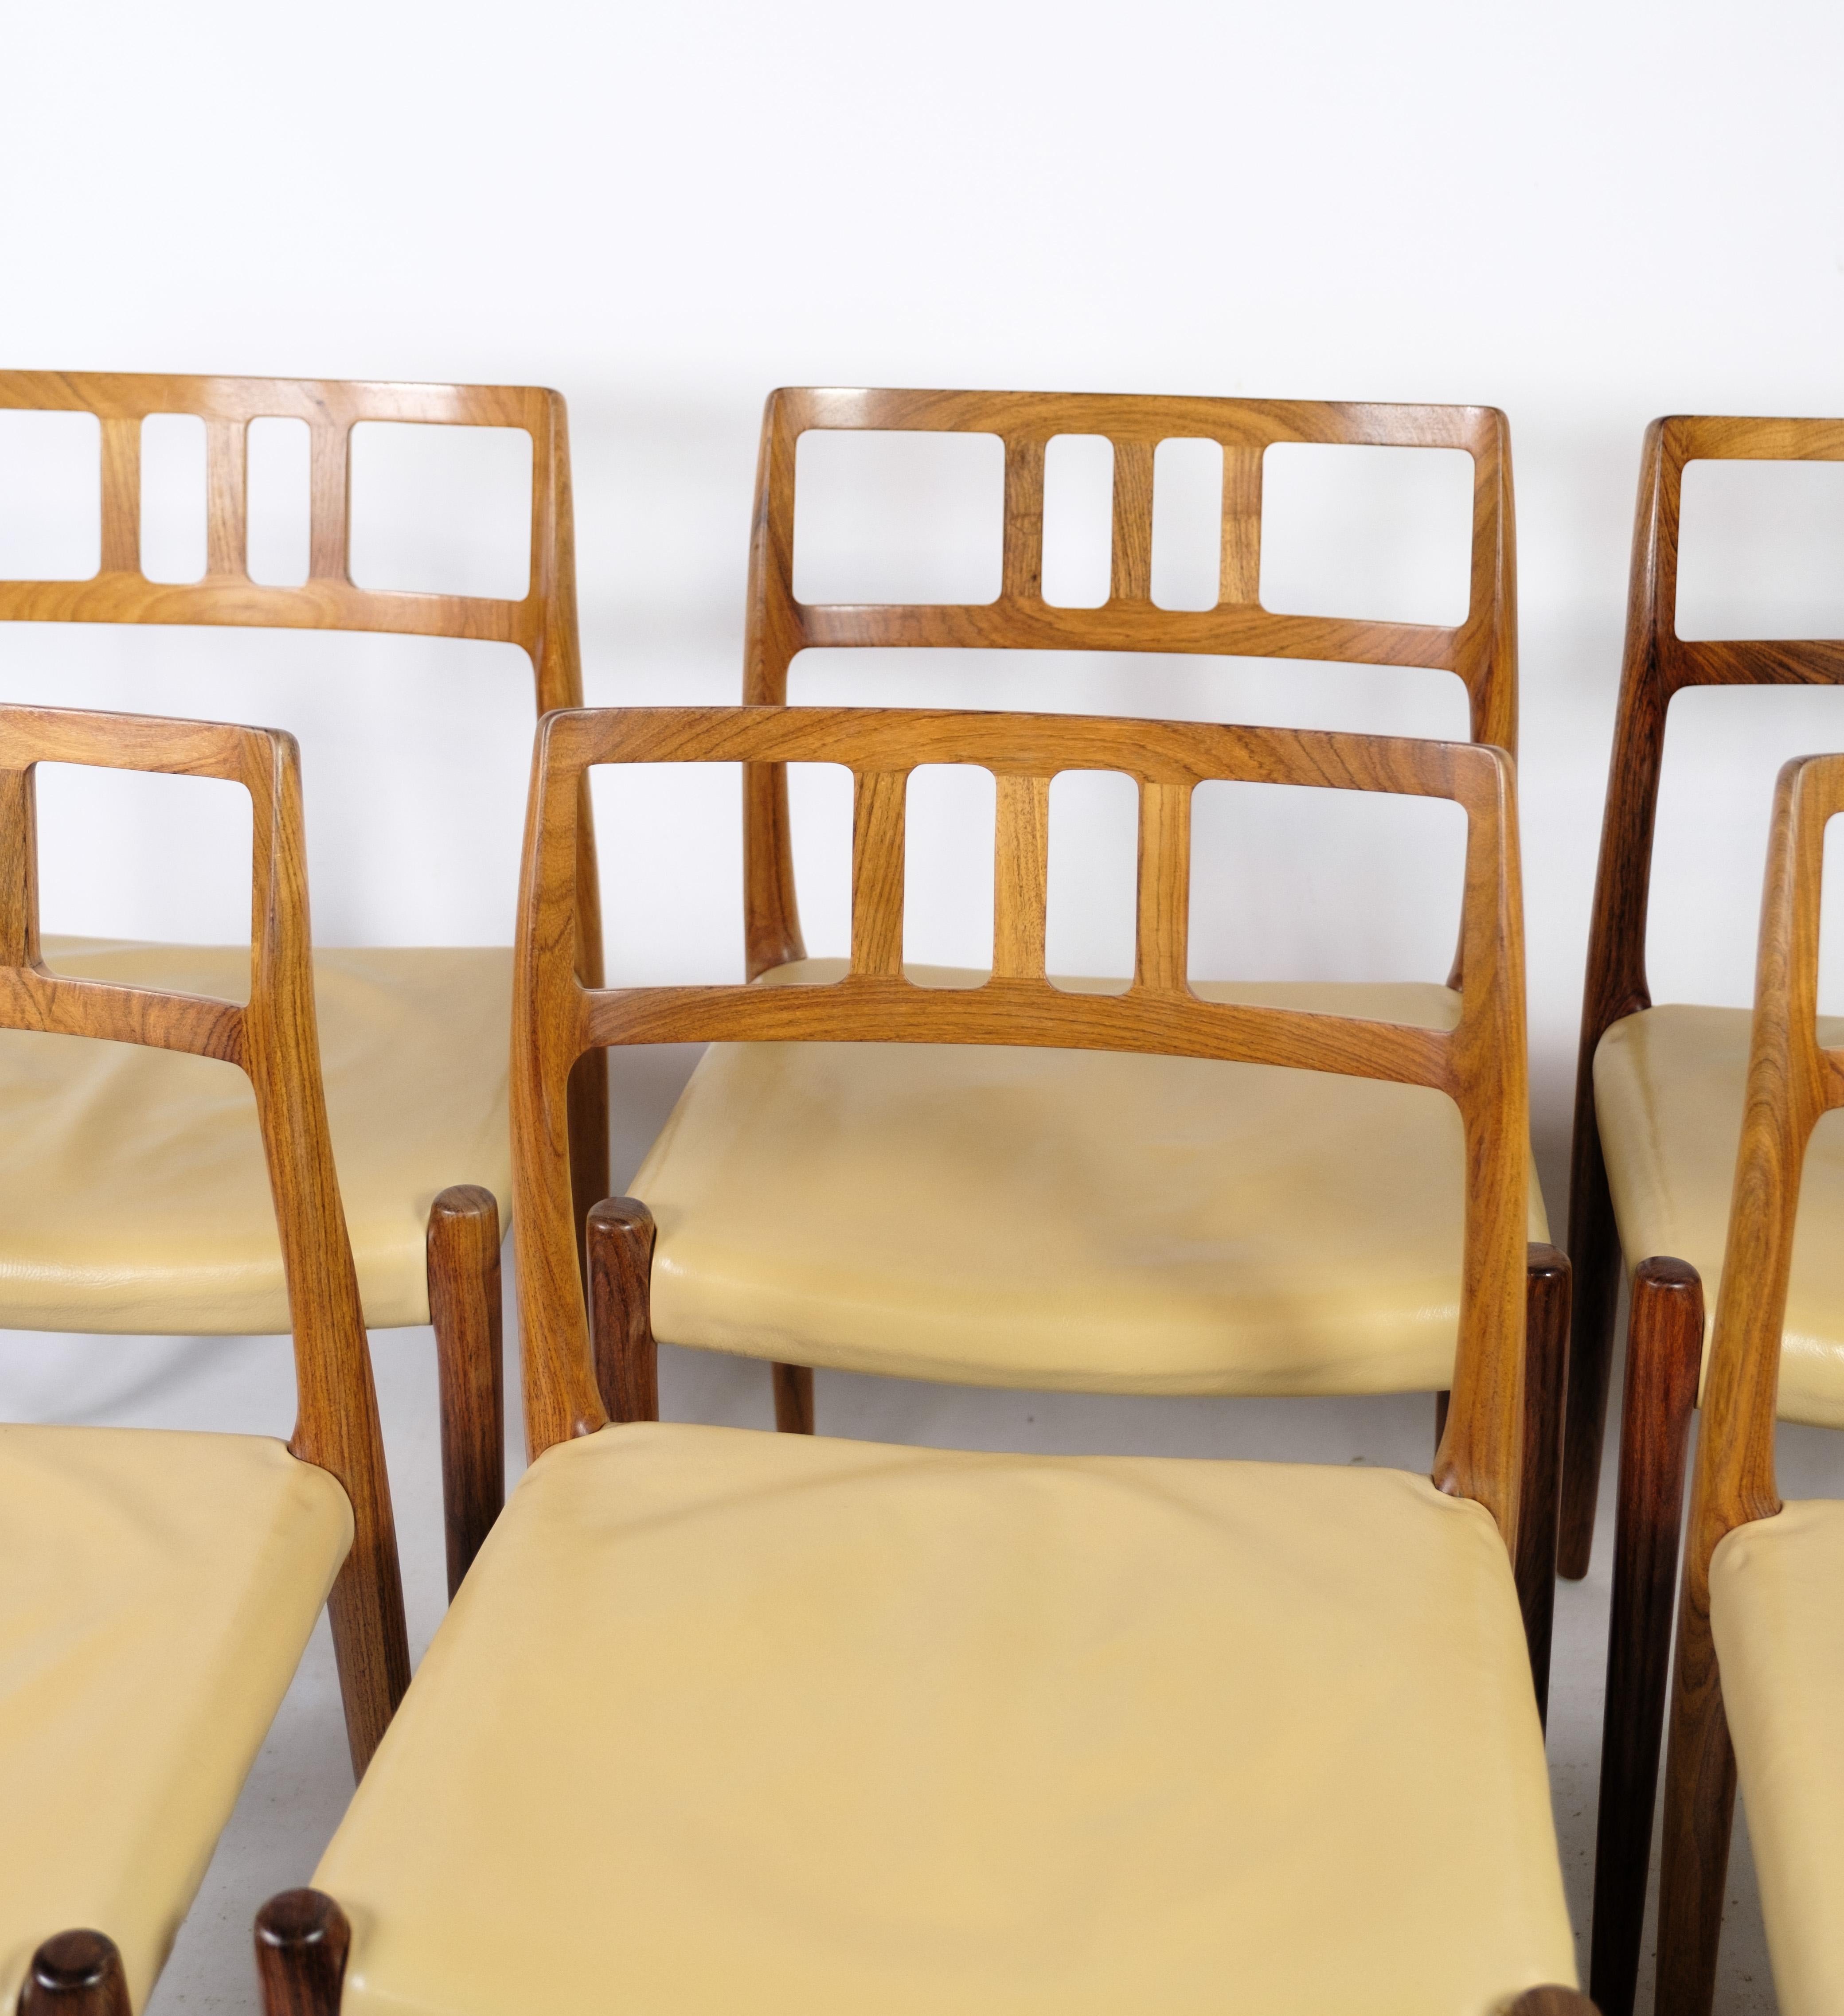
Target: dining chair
<point x="1758" y="1688"/>
<point x="1659" y="1100"/>
<point x="157" y="1587"/>
<point x="774" y="1240"/>
<point x="119" y="1234"/>
<point x="727" y="1718"/>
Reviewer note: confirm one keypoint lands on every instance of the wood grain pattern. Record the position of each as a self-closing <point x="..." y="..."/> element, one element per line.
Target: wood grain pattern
<point x="465" y="1310"/>
<point x="274" y="1040"/>
<point x="1480" y="1064"/>
<point x="75" y="1974"/>
<point x="302" y="1942"/>
<point x="1658" y="663"/>
<point x="543" y="624"/>
<point x="1791" y="1082"/>
<point x="1481" y="650"/>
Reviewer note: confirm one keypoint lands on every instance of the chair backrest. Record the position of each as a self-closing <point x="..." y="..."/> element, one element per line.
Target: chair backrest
<point x="1791" y="1082"/>
<point x="1480" y="1064"/>
<point x="273" y="1040"/>
<point x="1481" y="650"/>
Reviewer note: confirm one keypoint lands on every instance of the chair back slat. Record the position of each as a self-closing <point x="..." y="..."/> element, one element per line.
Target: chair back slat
<point x="1479" y="1064"/>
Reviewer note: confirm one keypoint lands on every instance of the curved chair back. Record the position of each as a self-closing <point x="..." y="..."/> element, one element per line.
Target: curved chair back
<point x="1480" y="1064"/>
<point x="1481" y="650"/>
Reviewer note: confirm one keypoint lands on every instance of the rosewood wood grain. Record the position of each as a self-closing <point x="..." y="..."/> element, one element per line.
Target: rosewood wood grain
<point x="274" y="1040"/>
<point x="620" y="1248"/>
<point x="1546" y="1377"/>
<point x="75" y="1974"/>
<point x="1481" y="651"/>
<point x="1664" y="1356"/>
<point x="1480" y="1064"/>
<point x="1791" y="1082"/>
<point x="302" y="1944"/>
<point x="794" y="1399"/>
<point x="543" y="624"/>
<point x="464" y="1306"/>
<point x="1658" y="663"/>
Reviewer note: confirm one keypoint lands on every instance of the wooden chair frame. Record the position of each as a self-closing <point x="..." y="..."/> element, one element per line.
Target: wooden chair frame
<point x="463" y="1239"/>
<point x="1792" y="1082"/>
<point x="273" y="1041"/>
<point x="1665" y="1327"/>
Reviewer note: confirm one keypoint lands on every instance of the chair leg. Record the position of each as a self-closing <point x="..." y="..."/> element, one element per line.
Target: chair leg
<point x="1594" y="1250"/>
<point x="587" y="1106"/>
<point x="794" y="1399"/>
<point x="1699" y="1811"/>
<point x="1552" y="2002"/>
<point x="464" y="1306"/>
<point x="75" y="1974"/>
<point x="1546" y="1377"/>
<point x="1664" y="1354"/>
<point x="302" y="1940"/>
<point x="619" y="1237"/>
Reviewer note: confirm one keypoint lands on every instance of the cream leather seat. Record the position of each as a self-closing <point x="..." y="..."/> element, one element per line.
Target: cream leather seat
<point x="1774" y="1586"/>
<point x="157" y="1590"/>
<point x="1668" y="1085"/>
<point x="725" y="1720"/>
<point x="133" y="1196"/>
<point x="1008" y="1215"/>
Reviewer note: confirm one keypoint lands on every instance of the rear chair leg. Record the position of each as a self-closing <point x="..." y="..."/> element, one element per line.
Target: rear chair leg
<point x="794" y="1399"/>
<point x="302" y="1939"/>
<point x="75" y="1974"/>
<point x="464" y="1306"/>
<point x="1664" y="1354"/>
<point x="1545" y="1380"/>
<point x="619" y="1236"/>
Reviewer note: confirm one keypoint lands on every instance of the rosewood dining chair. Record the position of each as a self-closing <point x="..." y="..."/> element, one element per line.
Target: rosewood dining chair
<point x="119" y="1234"/>
<point x="1659" y="1099"/>
<point x="775" y="1241"/>
<point x="726" y="1718"/>
<point x="1758" y="1688"/>
<point x="156" y="1588"/>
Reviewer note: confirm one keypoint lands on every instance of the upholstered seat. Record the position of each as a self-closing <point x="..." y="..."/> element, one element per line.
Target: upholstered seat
<point x="1775" y="1587"/>
<point x="156" y="1591"/>
<point x="724" y="1720"/>
<point x="1005" y="1216"/>
<point x="133" y="1196"/>
<point x="1669" y="1085"/>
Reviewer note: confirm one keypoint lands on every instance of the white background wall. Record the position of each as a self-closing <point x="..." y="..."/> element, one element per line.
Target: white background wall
<point x="1585" y="214"/>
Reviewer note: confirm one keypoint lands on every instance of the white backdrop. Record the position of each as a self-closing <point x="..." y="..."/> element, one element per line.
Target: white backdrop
<point x="1585" y="214"/>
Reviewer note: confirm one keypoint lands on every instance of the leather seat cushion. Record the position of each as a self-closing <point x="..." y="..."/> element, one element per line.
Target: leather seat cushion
<point x="1669" y="1088"/>
<point x="133" y="1193"/>
<point x="1086" y="1219"/>
<point x="1774" y="1590"/>
<point x="724" y="1720"/>
<point x="157" y="1590"/>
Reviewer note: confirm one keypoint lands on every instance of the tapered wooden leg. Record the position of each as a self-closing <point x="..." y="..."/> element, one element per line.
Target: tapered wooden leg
<point x="620" y="1241"/>
<point x="1699" y="1811"/>
<point x="1664" y="1353"/>
<point x="1440" y="1415"/>
<point x="464" y="1306"/>
<point x="1594" y="1250"/>
<point x="1546" y="1377"/>
<point x="302" y="1940"/>
<point x="1552" y="2002"/>
<point x="794" y="1399"/>
<point x="587" y="1100"/>
<point x="75" y="1974"/>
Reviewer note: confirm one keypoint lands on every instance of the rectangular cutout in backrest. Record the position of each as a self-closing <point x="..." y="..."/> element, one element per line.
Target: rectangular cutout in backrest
<point x="819" y="817"/>
<point x="137" y="854"/>
<point x="1094" y="876"/>
<point x="1760" y="550"/>
<point x="1187" y="524"/>
<point x="278" y="480"/>
<point x="680" y="922"/>
<point x="441" y="510"/>
<point x="173" y="497"/>
<point x="1379" y="535"/>
<point x="1290" y="882"/>
<point x="1078" y="520"/>
<point x="948" y="844"/>
<point x="893" y="516"/>
<point x="51" y="496"/>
